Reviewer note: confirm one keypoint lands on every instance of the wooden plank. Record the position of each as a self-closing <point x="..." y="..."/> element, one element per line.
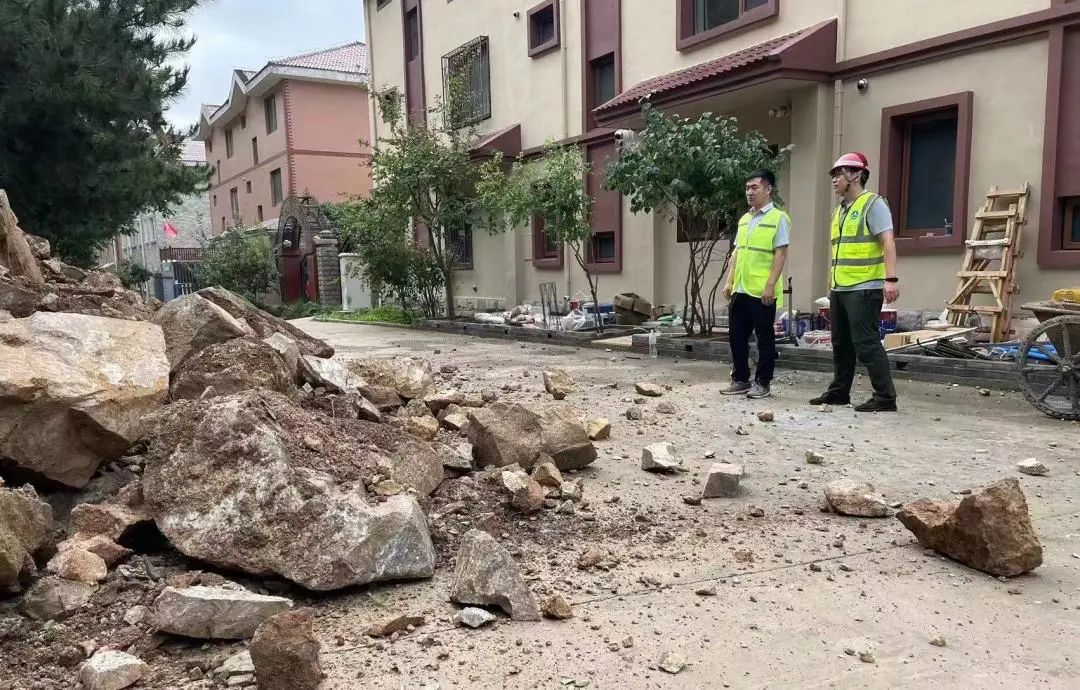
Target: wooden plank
<point x="982" y="274"/>
<point x="979" y="309"/>
<point x="902" y="341"/>
<point x="1002" y="242"/>
<point x="999" y="193"/>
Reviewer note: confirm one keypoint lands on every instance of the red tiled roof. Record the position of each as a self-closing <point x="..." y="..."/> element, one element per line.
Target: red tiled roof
<point x="747" y="57"/>
<point x="351" y="57"/>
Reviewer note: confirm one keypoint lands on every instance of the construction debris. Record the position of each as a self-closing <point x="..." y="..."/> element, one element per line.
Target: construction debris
<point x="285" y="652"/>
<point x="558" y="383"/>
<point x="1033" y="467"/>
<point x="487" y="575"/>
<point x="112" y="670"/>
<point x="722" y="481"/>
<point x="660" y="457"/>
<point x="856" y="499"/>
<point x="214" y="613"/>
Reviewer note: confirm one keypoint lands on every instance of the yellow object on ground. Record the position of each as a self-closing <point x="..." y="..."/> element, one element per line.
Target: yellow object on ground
<point x="1067" y="295"/>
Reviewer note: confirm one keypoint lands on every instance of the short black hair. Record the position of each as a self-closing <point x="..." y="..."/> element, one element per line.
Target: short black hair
<point x="864" y="177"/>
<point x="766" y="176"/>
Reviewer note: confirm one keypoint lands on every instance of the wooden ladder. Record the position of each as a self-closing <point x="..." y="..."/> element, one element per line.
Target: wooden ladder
<point x="990" y="262"/>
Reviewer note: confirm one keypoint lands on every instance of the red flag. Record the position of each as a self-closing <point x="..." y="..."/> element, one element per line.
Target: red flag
<point x="170" y="230"/>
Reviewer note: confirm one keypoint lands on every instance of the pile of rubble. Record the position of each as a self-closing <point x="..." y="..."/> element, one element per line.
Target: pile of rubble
<point x="233" y="437"/>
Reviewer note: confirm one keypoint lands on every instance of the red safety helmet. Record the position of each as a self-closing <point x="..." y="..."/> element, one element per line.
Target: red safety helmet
<point x="851" y="160"/>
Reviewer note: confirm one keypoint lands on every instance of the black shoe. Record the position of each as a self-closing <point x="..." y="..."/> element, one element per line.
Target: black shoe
<point x="875" y="405"/>
<point x="829" y="399"/>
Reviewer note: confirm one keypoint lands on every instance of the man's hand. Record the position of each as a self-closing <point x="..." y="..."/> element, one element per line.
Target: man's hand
<point x="768" y="295"/>
<point x="892" y="292"/>
<point x="727" y="291"/>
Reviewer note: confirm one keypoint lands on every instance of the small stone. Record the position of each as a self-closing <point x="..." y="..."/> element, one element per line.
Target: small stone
<point x="558" y="383"/>
<point x="827" y="408"/>
<point x="856" y="499"/>
<point x="766" y="416"/>
<point x="285" y="653"/>
<point x="722" y="481"/>
<point x="426" y="428"/>
<point x="709" y="591"/>
<point x="557" y="608"/>
<point x="628" y="642"/>
<point x="692" y="500"/>
<point x="740" y="431"/>
<point x="79" y="565"/>
<point x="815" y="568"/>
<point x="486" y="574"/>
<point x="394" y="625"/>
<point x="473" y="617"/>
<point x="672" y="662"/>
<point x="313" y="444"/>
<point x="660" y="457"/>
<point x="547" y="474"/>
<point x="814" y="458"/>
<point x="111" y="670"/>
<point x="598" y="429"/>
<point x="938" y="641"/>
<point x="635" y="414"/>
<point x="1033" y="467"/>
<point x="526" y="494"/>
<point x="866" y="657"/>
<point x="136" y="614"/>
<point x="755" y="511"/>
<point x="649" y="389"/>
<point x="665" y="408"/>
<point x="985" y="392"/>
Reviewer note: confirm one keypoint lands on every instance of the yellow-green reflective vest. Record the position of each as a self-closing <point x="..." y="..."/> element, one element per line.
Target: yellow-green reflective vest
<point x="754" y="255"/>
<point x="857" y="256"/>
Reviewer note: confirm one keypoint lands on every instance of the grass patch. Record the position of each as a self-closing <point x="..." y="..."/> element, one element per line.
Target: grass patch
<point x="384" y="314"/>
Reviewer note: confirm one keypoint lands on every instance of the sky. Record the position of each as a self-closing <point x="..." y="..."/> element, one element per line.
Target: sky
<point x="245" y="34"/>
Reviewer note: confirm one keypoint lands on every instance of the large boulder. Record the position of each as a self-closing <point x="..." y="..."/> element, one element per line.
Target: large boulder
<point x="263" y="323"/>
<point x="25" y="523"/>
<point x="233" y="481"/>
<point x="989" y="530"/>
<point x="285" y="652"/>
<point x="486" y="575"/>
<point x="214" y="613"/>
<point x="74" y="389"/>
<point x="230" y="367"/>
<point x="504" y="434"/>
<point x="16" y="254"/>
<point x="192" y="323"/>
<point x="410" y="377"/>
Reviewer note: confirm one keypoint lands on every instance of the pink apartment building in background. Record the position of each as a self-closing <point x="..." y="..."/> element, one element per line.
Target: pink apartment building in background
<point x="292" y="128"/>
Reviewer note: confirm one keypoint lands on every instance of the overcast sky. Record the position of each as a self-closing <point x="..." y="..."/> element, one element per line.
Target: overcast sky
<point x="245" y="34"/>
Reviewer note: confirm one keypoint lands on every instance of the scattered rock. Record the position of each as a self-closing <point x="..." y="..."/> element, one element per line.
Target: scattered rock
<point x="399" y="624"/>
<point x="692" y="499"/>
<point x="453" y="459"/>
<point x="331" y="374"/>
<point x="557" y="608"/>
<point x="410" y="377"/>
<point x="263" y="323"/>
<point x="547" y="474"/>
<point x="112" y="670"/>
<point x="766" y="416"/>
<point x="115" y="519"/>
<point x="25" y="523"/>
<point x="136" y="614"/>
<point x="526" y="494"/>
<point x="51" y="598"/>
<point x="558" y="383"/>
<point x="426" y="428"/>
<point x="230" y="367"/>
<point x="649" y="389"/>
<point x="473" y="617"/>
<point x="440" y="400"/>
<point x="814" y="458"/>
<point x="938" y="641"/>
<point x="1033" y="467"/>
<point x="285" y="652"/>
<point x="672" y="662"/>
<point x="660" y="457"/>
<point x="226" y="485"/>
<point x="70" y="403"/>
<point x="866" y="657"/>
<point x="755" y="511"/>
<point x="856" y="499"/>
<point x="214" y="613"/>
<point x="985" y="392"/>
<point x="635" y="414"/>
<point x="709" y="591"/>
<point x="487" y="575"/>
<point x="365" y="409"/>
<point x="573" y="489"/>
<point x="79" y="565"/>
<point x="989" y="530"/>
<point x="722" y="481"/>
<point x="740" y="431"/>
<point x="664" y="407"/>
<point x="505" y="434"/>
<point x="598" y="429"/>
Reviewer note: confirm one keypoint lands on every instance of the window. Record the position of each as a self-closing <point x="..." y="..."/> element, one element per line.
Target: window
<point x="259" y="212"/>
<point x="248" y="184"/>
<point x="243" y="122"/>
<point x="234" y="202"/>
<point x="412" y="35"/>
<point x="228" y="143"/>
<point x="547" y="251"/>
<point x="459" y="242"/>
<point x="1071" y="226"/>
<point x="603" y="248"/>
<point x="270" y="109"/>
<point x="603" y="79"/>
<point x="924" y="169"/>
<point x="469" y="66"/>
<point x="215" y="200"/>
<point x="218" y="168"/>
<point x="381" y="4"/>
<point x="701" y="21"/>
<point x="254" y="150"/>
<point x="277" y="194"/>
<point x="210" y="142"/>
<point x="543" y="28"/>
<point x="223" y="226"/>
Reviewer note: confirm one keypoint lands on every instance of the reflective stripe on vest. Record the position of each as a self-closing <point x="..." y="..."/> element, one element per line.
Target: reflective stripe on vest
<point x="858" y="256"/>
<point x="754" y="258"/>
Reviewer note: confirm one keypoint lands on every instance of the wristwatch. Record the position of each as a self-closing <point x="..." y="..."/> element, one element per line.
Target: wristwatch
<point x="893" y="279"/>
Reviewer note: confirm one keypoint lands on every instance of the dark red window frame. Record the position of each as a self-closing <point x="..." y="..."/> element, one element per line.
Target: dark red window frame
<point x="543" y="257"/>
<point x="537" y="49"/>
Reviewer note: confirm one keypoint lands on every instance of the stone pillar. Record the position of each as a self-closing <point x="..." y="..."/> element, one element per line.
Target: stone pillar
<point x="326" y="261"/>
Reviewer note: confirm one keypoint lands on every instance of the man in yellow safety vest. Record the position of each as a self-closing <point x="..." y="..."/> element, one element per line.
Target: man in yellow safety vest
<point x="761" y="248"/>
<point x="862" y="276"/>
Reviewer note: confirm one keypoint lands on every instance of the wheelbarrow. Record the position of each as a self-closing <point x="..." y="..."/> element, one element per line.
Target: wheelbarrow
<point x="1048" y="361"/>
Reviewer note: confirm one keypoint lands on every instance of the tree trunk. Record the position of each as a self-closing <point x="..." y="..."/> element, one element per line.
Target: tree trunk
<point x="448" y="286"/>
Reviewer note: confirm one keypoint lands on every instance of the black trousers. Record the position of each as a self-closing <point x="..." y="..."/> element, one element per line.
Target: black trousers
<point x="855" y="317"/>
<point x="748" y="315"/>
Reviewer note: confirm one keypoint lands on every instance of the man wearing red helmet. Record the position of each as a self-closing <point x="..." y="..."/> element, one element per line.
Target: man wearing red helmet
<point x="862" y="276"/>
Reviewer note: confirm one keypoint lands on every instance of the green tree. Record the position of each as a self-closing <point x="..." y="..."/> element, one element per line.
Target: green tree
<point x="241" y="261"/>
<point x="85" y="146"/>
<point x="553" y="190"/>
<point x="423" y="171"/>
<point x="694" y="172"/>
<point x="132" y="274"/>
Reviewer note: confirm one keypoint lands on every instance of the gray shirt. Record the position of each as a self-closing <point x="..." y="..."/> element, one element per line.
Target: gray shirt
<point x="783" y="232"/>
<point x="878" y="220"/>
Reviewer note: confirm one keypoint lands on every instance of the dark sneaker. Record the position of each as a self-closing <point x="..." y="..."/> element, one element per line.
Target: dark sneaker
<point x="875" y="405"/>
<point x="828" y="399"/>
<point x="759" y="390"/>
<point x="736" y="388"/>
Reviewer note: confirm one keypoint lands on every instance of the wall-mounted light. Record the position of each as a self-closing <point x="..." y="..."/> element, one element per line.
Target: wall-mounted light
<point x="780" y="112"/>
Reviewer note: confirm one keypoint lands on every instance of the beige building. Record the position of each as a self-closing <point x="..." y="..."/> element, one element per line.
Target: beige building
<point x="295" y="127"/>
<point x="944" y="98"/>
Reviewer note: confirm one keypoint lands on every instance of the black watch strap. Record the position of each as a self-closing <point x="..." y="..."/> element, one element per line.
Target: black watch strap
<point x="892" y="280"/>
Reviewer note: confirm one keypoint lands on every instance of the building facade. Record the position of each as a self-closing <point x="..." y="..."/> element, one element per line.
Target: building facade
<point x="945" y="100"/>
<point x="295" y="127"/>
<point x="167" y="244"/>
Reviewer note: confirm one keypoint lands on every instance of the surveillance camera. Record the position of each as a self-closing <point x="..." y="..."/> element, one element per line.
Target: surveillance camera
<point x="862" y="84"/>
<point x="626" y="138"/>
